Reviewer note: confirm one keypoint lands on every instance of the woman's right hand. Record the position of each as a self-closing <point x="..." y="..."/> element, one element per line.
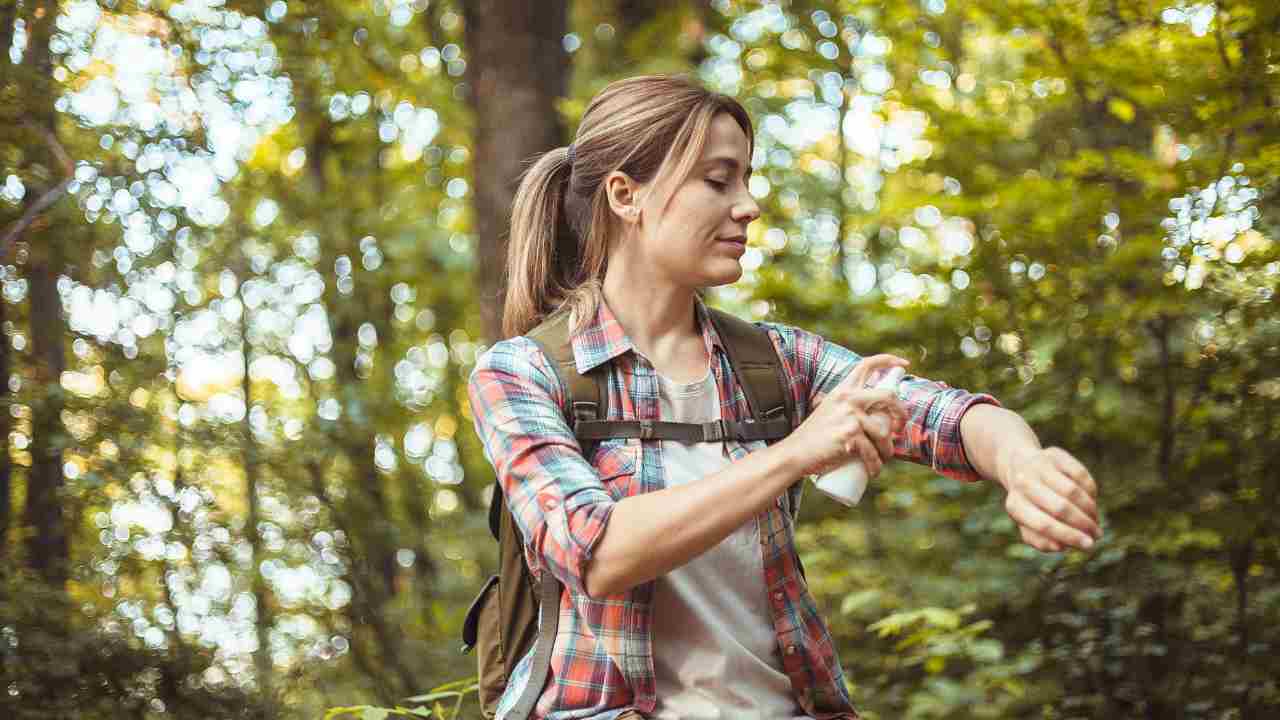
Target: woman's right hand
<point x="843" y="424"/>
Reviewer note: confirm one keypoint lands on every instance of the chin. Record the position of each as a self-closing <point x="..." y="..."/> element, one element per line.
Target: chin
<point x="728" y="277"/>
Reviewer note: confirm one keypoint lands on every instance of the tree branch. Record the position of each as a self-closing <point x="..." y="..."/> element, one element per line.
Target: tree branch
<point x="53" y="195"/>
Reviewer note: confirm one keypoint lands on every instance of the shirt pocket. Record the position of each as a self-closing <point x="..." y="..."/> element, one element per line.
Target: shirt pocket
<point x="615" y="461"/>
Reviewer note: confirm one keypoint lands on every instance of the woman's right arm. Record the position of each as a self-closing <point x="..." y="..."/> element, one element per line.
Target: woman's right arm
<point x="604" y="547"/>
<point x="654" y="533"/>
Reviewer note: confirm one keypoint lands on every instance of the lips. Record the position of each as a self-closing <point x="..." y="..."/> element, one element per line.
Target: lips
<point x="739" y="244"/>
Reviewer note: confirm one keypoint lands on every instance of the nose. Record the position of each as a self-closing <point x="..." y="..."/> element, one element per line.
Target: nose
<point x="745" y="210"/>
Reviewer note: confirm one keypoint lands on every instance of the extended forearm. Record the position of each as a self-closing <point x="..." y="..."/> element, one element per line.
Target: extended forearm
<point x="653" y="533"/>
<point x="993" y="437"/>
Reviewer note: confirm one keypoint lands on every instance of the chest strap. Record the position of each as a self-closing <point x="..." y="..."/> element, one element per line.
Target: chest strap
<point x="687" y="433"/>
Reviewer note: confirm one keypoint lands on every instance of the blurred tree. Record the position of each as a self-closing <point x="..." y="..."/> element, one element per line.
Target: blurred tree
<point x="47" y="550"/>
<point x="516" y="69"/>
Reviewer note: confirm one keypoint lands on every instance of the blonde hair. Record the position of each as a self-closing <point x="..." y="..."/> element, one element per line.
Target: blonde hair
<point x="651" y="127"/>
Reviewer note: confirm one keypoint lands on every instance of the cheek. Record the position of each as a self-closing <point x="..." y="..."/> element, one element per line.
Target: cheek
<point x="682" y="232"/>
<point x="697" y="206"/>
<point x="702" y="227"/>
<point x="687" y="229"/>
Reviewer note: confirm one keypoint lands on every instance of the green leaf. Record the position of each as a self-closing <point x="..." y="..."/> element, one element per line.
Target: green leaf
<point x="858" y="600"/>
<point x="987" y="650"/>
<point x="464" y="685"/>
<point x="432" y="697"/>
<point x="1121" y="108"/>
<point x="374" y="713"/>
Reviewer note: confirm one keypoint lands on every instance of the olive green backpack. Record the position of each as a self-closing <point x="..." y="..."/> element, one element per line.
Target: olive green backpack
<point x="503" y="621"/>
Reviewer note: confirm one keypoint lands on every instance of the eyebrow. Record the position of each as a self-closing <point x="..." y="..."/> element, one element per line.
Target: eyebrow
<point x="731" y="163"/>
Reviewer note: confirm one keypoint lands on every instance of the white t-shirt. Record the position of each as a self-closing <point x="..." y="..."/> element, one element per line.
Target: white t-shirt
<point x="715" y="652"/>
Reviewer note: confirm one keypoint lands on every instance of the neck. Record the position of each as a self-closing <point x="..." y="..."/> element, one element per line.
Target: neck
<point x="657" y="318"/>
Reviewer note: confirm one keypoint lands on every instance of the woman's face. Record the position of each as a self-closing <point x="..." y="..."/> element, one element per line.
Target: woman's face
<point x="699" y="238"/>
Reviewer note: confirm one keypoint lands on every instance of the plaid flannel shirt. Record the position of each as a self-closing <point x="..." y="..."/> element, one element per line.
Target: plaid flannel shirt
<point x="602" y="659"/>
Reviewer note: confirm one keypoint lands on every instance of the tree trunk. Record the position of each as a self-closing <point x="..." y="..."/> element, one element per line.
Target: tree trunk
<point x="47" y="547"/>
<point x="47" y="544"/>
<point x="516" y="70"/>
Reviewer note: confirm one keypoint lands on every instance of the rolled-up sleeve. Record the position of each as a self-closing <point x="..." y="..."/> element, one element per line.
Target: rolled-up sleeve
<point x="932" y="434"/>
<point x="555" y="495"/>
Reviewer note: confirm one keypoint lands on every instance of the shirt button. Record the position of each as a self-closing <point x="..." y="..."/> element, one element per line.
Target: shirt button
<point x="778" y="596"/>
<point x="791" y="649"/>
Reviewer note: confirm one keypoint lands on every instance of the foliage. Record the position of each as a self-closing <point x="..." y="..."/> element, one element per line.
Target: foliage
<point x="50" y="668"/>
<point x="274" y="505"/>
<point x="456" y="691"/>
<point x="1021" y="208"/>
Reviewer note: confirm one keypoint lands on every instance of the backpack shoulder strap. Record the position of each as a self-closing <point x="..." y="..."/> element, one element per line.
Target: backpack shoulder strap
<point x="757" y="366"/>
<point x="584" y="396"/>
<point x="759" y="370"/>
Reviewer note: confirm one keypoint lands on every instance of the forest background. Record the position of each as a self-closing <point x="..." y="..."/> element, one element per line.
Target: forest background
<point x="251" y="250"/>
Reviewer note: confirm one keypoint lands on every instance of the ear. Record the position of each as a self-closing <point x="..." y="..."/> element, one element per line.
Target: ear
<point x="624" y="196"/>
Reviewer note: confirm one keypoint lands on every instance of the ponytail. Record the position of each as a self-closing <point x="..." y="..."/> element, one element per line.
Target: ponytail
<point x="544" y="263"/>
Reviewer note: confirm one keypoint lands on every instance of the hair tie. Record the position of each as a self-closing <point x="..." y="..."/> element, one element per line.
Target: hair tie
<point x="570" y="155"/>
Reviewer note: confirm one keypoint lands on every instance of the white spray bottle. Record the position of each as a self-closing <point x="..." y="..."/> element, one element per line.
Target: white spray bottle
<point x="846" y="483"/>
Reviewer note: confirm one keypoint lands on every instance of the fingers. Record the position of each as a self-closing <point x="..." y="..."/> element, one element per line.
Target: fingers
<point x="1068" y="479"/>
<point x="1054" y="501"/>
<point x="859" y="444"/>
<point x="877" y="401"/>
<point x="1073" y="469"/>
<point x="879" y="429"/>
<point x="879" y="415"/>
<point x="1074" y="493"/>
<point x="1040" y="542"/>
<point x="1060" y="508"/>
<point x="1031" y="517"/>
<point x="866" y="368"/>
<point x="868" y="453"/>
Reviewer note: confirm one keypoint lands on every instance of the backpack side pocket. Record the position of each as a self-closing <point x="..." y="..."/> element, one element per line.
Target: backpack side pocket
<point x="480" y="630"/>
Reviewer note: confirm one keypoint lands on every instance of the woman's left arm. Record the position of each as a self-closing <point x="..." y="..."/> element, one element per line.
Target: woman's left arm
<point x="966" y="437"/>
<point x="1051" y="495"/>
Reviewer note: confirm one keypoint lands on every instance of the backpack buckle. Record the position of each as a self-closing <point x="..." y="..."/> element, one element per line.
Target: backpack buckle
<point x="583" y="411"/>
<point x="714" y="431"/>
<point x="646" y="429"/>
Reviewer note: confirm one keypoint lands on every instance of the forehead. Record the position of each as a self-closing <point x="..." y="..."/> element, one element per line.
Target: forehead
<point x="726" y="139"/>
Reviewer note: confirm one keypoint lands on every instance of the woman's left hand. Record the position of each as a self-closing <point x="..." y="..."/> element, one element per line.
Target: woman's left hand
<point x="1052" y="497"/>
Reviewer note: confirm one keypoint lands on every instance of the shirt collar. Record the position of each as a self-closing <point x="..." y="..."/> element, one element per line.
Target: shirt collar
<point x="604" y="339"/>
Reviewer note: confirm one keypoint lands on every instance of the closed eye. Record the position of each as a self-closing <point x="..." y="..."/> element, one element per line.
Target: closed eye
<point x="719" y="186"/>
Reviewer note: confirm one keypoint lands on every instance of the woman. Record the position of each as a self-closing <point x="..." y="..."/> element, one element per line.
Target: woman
<point x="682" y="596"/>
